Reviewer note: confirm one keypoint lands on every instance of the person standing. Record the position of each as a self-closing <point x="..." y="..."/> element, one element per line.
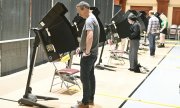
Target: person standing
<point x="163" y="30"/>
<point x="89" y="48"/>
<point x="134" y="43"/>
<point x="152" y="32"/>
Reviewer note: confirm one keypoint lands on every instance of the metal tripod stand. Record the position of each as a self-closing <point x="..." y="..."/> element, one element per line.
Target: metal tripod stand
<point x="28" y="98"/>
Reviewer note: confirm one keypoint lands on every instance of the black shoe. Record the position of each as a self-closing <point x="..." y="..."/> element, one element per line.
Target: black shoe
<point x="161" y="45"/>
<point x="131" y="69"/>
<point x="90" y="102"/>
<point x="138" y="65"/>
<point x="137" y="71"/>
<point x="152" y="55"/>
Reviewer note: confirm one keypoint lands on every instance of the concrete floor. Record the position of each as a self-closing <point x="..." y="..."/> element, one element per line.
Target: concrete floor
<point x="112" y="87"/>
<point x="162" y="87"/>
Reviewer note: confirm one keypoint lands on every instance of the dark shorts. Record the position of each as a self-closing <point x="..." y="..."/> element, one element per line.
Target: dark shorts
<point x="164" y="31"/>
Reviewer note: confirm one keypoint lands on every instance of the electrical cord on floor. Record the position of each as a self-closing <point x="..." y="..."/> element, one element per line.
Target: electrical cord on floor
<point x="8" y="100"/>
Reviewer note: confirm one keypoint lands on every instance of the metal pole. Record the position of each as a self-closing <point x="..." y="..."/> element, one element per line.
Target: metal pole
<point x="112" y="8"/>
<point x="29" y="40"/>
<point x="52" y="3"/>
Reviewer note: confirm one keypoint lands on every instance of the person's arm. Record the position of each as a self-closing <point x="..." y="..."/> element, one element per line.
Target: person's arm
<point x="136" y="31"/>
<point x="165" y="22"/>
<point x="89" y="41"/>
<point x="149" y="26"/>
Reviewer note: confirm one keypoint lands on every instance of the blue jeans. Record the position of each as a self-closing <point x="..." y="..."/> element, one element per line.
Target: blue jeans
<point x="88" y="78"/>
<point x="152" y="44"/>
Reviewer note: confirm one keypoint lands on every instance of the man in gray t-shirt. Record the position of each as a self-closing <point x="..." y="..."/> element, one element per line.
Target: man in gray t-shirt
<point x="92" y="25"/>
<point x="89" y="47"/>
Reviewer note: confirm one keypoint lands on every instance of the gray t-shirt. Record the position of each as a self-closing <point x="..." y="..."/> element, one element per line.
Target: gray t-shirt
<point x="90" y="24"/>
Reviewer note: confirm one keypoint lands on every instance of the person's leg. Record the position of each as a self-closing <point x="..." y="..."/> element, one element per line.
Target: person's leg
<point x="154" y="44"/>
<point x="86" y="64"/>
<point x="130" y="55"/>
<point x="123" y="42"/>
<point x="150" y="38"/>
<point x="92" y="82"/>
<point x="122" y="46"/>
<point x="92" y="85"/>
<point x="162" y="40"/>
<point x="135" y="44"/>
<point x="164" y="36"/>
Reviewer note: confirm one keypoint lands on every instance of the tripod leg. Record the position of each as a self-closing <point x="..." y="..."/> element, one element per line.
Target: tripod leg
<point x="27" y="102"/>
<point x="98" y="65"/>
<point x="100" y="58"/>
<point x="28" y="98"/>
<point x="46" y="98"/>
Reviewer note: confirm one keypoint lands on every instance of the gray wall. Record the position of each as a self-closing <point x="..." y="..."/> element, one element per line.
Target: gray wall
<point x="15" y="19"/>
<point x="39" y="10"/>
<point x="15" y="24"/>
<point x="105" y="7"/>
<point x="13" y="57"/>
<point x="105" y="15"/>
<point x="71" y="6"/>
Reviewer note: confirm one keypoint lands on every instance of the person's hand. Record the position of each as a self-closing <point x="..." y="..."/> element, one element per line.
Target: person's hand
<point x="85" y="55"/>
<point x="110" y="42"/>
<point x="161" y="30"/>
<point x="78" y="50"/>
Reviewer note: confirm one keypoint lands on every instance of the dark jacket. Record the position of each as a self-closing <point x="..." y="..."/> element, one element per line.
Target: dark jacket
<point x="135" y="31"/>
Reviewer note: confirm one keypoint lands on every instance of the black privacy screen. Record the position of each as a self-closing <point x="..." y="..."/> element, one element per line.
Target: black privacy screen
<point x="56" y="34"/>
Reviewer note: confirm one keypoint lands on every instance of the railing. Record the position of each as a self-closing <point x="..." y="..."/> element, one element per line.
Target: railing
<point x="16" y="40"/>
